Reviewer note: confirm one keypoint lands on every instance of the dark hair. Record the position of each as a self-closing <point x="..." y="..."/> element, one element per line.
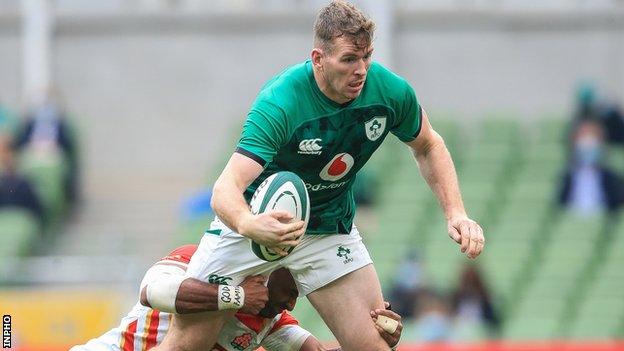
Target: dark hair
<point x="341" y="18"/>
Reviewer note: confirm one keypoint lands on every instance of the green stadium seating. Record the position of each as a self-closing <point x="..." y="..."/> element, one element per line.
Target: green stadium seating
<point x="475" y="172"/>
<point x="488" y="153"/>
<point x="551" y="130"/>
<point x="598" y="317"/>
<point x="499" y="130"/>
<point x="540" y="194"/>
<point x="449" y="129"/>
<point x="523" y="214"/>
<point x="545" y="153"/>
<point x="592" y="328"/>
<point x="191" y="232"/>
<point x="600" y="312"/>
<point x="531" y="328"/>
<point x="18" y="231"/>
<point x="614" y="159"/>
<point x="47" y="175"/>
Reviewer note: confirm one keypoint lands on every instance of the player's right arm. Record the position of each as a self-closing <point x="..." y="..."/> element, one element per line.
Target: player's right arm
<point x="264" y="133"/>
<point x="269" y="228"/>
<point x="194" y="296"/>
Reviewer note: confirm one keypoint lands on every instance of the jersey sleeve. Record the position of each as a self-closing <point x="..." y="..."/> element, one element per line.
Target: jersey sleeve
<point x="161" y="271"/>
<point x="174" y="263"/>
<point x="287" y="338"/>
<point x="264" y="132"/>
<point x="180" y="254"/>
<point x="409" y="115"/>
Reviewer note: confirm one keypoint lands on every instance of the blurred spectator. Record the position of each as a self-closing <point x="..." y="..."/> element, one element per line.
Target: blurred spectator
<point x="589" y="187"/>
<point x="45" y="130"/>
<point x="16" y="190"/>
<point x="608" y="115"/>
<point x="197" y="206"/>
<point x="408" y="285"/>
<point x="434" y="320"/>
<point x="471" y="302"/>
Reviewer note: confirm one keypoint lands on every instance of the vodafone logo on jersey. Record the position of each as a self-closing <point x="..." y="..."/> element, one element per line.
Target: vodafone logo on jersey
<point x="337" y="168"/>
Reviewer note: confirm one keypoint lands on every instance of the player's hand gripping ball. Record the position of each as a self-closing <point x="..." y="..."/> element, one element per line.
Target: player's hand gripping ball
<point x="281" y="191"/>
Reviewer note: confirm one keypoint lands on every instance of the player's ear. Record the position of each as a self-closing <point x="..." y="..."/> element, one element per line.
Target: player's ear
<point x="143" y="297"/>
<point x="317" y="56"/>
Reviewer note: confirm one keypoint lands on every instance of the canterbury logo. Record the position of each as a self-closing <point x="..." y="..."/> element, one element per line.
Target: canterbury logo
<point x="216" y="279"/>
<point x="310" y="147"/>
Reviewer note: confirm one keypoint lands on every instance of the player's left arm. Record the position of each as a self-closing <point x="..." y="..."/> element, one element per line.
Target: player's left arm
<point x="436" y="166"/>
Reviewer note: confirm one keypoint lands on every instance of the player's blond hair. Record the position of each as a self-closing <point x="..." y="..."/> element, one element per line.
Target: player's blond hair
<point x="341" y="18"/>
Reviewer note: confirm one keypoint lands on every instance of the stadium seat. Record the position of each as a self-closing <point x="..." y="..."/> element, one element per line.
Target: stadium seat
<point x="490" y="152"/>
<point x="551" y="130"/>
<point x="499" y="130"/>
<point x="598" y="317"/>
<point x="47" y="175"/>
<point x="481" y="172"/>
<point x="531" y="328"/>
<point x="542" y="190"/>
<point x="601" y="307"/>
<point x="614" y="159"/>
<point x="594" y="329"/>
<point x="524" y="214"/>
<point x="18" y="230"/>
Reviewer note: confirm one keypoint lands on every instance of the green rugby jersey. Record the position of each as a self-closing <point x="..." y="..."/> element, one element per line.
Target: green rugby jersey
<point x="293" y="126"/>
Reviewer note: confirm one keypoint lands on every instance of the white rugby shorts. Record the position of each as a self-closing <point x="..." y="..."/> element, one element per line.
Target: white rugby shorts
<point x="315" y="262"/>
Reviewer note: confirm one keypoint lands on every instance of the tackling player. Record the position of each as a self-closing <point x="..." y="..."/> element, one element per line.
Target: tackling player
<point x="322" y="119"/>
<point x="269" y="326"/>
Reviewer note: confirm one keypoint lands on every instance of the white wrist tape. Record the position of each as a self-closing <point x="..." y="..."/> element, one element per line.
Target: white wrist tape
<point x="161" y="294"/>
<point x="230" y="297"/>
<point x="387" y="324"/>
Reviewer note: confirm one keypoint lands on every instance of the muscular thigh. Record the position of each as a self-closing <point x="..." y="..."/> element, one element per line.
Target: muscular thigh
<point x="345" y="306"/>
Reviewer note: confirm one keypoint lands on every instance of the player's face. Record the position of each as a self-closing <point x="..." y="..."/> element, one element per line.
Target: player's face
<point x="344" y="69"/>
<point x="283" y="293"/>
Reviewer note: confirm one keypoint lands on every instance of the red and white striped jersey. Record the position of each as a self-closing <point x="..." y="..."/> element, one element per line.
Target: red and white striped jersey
<point x="144" y="328"/>
<point x="247" y="332"/>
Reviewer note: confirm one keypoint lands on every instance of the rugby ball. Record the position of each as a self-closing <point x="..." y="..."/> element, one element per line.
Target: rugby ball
<point x="280" y="191"/>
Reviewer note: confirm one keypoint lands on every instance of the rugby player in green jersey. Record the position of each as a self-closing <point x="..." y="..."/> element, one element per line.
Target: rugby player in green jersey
<point x="321" y="119"/>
